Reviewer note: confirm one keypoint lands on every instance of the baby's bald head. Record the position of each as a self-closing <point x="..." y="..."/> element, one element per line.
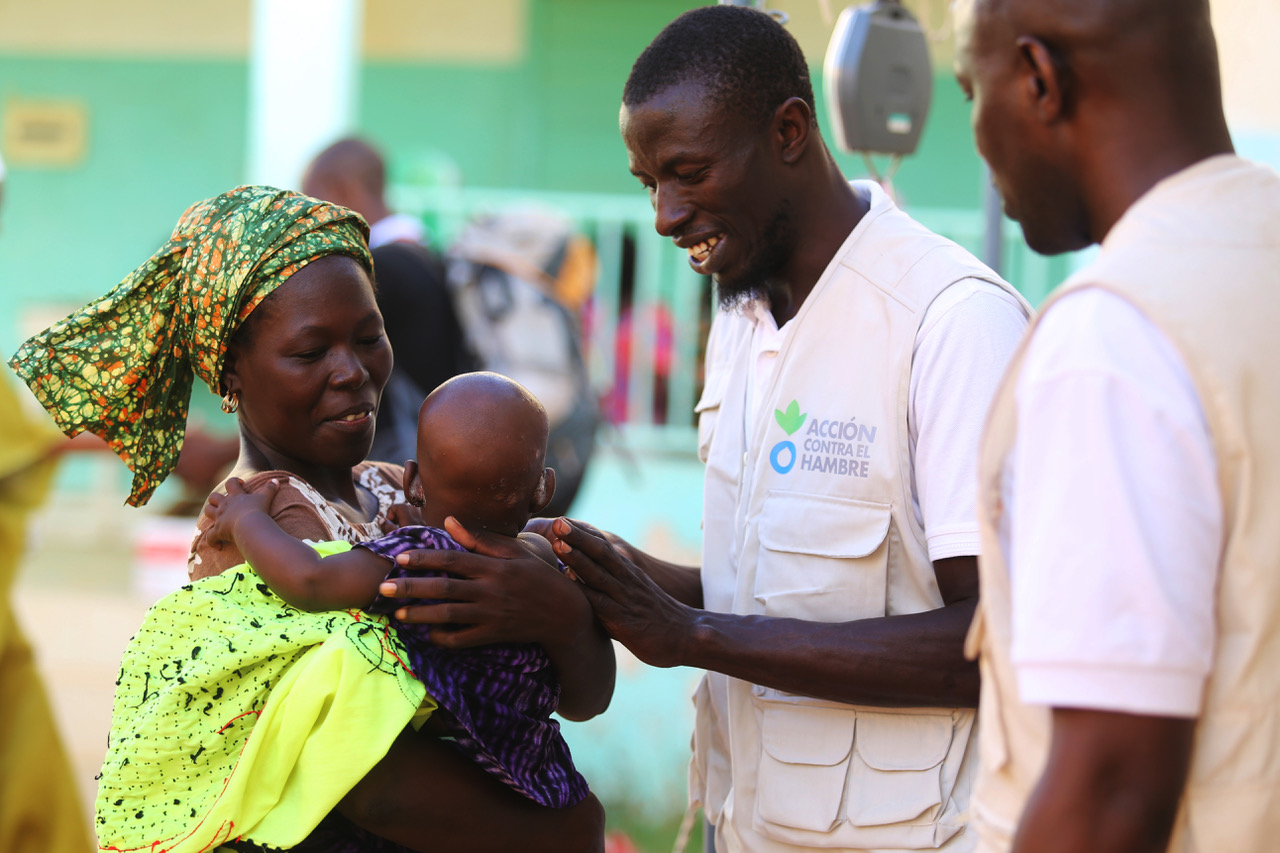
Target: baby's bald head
<point x="482" y="443"/>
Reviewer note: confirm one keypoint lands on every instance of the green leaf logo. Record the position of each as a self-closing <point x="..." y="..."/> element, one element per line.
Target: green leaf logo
<point x="792" y="419"/>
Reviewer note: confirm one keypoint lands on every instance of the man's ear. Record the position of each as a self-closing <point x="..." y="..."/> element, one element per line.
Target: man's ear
<point x="413" y="491"/>
<point x="792" y="126"/>
<point x="1046" y="79"/>
<point x="545" y="491"/>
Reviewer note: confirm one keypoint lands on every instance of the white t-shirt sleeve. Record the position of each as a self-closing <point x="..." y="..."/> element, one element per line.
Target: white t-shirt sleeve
<point x="1115" y="521"/>
<point x="965" y="342"/>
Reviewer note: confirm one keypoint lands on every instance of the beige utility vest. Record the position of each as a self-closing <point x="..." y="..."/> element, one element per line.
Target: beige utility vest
<point x="1200" y="257"/>
<point x="813" y="505"/>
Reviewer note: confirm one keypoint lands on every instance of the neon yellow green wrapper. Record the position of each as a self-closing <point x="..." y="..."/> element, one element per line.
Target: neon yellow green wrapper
<point x="238" y="716"/>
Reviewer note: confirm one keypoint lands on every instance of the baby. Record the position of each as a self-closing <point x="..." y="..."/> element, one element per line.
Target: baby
<point x="482" y="441"/>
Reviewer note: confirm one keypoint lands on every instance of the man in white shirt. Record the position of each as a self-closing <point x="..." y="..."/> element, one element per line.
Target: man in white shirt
<point x="848" y="371"/>
<point x="1127" y="617"/>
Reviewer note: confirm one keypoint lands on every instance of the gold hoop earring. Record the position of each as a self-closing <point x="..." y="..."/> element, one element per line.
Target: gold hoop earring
<point x="230" y="402"/>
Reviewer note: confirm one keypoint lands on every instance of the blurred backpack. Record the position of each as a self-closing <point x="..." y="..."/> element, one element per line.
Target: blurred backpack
<point x="511" y="275"/>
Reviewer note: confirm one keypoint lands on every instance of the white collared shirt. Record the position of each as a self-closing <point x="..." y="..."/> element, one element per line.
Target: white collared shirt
<point x="398" y="227"/>
<point x="1116" y="516"/>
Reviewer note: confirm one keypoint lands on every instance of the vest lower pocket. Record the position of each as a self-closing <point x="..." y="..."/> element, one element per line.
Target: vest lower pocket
<point x="803" y="764"/>
<point x="896" y="772"/>
<point x="834" y="775"/>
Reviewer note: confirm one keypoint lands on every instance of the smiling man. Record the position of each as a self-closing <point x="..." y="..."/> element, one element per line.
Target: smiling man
<point x="1129" y="497"/>
<point x="849" y="369"/>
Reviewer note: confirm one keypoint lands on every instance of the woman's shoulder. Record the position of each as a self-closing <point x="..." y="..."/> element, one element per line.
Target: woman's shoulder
<point x="379" y="473"/>
<point x="385" y="480"/>
<point x="297" y="507"/>
<point x="291" y="488"/>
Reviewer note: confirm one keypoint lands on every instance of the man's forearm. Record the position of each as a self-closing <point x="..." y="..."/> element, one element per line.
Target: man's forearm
<point x="903" y="661"/>
<point x="895" y="661"/>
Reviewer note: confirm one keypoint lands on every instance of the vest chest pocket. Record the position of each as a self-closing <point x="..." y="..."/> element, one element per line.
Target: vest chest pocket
<point x="708" y="409"/>
<point x="822" y="558"/>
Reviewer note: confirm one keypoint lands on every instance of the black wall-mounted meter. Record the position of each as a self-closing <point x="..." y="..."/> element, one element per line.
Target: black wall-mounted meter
<point x="878" y="79"/>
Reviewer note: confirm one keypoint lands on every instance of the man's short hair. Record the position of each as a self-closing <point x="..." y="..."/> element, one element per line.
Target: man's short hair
<point x="749" y="63"/>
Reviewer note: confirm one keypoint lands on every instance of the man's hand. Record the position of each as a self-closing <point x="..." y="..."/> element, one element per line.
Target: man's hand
<point x="496" y="592"/>
<point x="545" y="527"/>
<point x="228" y="510"/>
<point x="501" y="592"/>
<point x="631" y="606"/>
<point x="654" y="608"/>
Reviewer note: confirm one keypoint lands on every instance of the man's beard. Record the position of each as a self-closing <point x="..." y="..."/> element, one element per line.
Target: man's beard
<point x="762" y="277"/>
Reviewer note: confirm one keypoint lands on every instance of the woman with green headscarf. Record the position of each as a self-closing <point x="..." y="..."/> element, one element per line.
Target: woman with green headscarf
<point x="239" y="721"/>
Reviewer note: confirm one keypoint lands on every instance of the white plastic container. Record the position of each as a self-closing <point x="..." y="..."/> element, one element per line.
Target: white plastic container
<point x="161" y="547"/>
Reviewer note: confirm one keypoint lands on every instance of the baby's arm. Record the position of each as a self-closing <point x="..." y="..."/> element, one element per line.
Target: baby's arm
<point x="292" y="569"/>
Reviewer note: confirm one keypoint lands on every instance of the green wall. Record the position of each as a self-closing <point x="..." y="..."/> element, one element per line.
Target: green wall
<point x="161" y="136"/>
<point x="552" y="122"/>
<point x="164" y="134"/>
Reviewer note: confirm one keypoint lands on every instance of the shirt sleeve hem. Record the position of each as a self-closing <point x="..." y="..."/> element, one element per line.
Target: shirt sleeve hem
<point x="1166" y="693"/>
<point x="954" y="543"/>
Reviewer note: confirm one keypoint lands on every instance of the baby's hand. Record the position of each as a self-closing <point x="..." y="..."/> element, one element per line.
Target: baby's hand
<point x="227" y="510"/>
<point x="402" y="515"/>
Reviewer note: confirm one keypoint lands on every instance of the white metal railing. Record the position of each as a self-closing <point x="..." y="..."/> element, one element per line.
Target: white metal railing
<point x="665" y="289"/>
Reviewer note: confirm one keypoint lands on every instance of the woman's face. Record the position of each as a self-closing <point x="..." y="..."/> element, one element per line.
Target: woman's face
<point x="310" y="368"/>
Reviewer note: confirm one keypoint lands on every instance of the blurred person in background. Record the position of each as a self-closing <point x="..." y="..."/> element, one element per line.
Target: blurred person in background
<point x="416" y="307"/>
<point x="40" y="810"/>
<point x="1129" y="491"/>
<point x="266" y="297"/>
<point x="507" y="301"/>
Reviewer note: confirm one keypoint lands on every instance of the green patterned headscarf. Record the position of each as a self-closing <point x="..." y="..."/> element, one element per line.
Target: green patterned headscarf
<point x="122" y="367"/>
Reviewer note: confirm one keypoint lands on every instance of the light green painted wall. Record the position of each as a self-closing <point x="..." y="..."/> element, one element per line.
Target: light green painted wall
<point x="166" y="133"/>
<point x="552" y="122"/>
<point x="161" y="136"/>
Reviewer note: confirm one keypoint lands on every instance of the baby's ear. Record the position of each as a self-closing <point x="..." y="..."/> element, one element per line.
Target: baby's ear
<point x="413" y="491"/>
<point x="545" y="491"/>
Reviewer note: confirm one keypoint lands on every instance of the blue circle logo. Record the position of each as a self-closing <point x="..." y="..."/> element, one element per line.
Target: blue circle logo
<point x="777" y="452"/>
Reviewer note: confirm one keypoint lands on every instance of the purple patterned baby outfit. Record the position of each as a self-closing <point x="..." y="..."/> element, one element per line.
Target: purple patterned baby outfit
<point x="500" y="696"/>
